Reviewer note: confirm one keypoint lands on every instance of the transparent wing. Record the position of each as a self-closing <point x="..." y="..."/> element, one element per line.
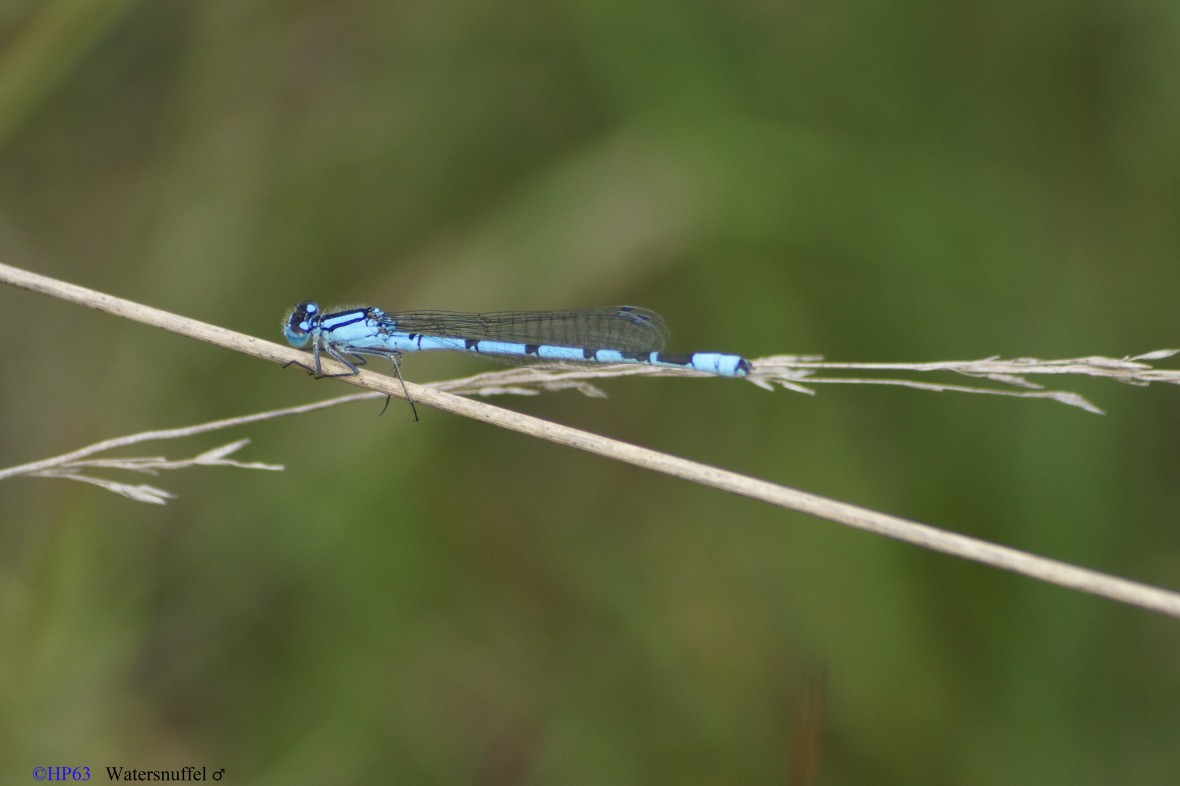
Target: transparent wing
<point x="626" y="328"/>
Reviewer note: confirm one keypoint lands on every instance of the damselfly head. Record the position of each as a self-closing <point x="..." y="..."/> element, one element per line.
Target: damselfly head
<point x="299" y="323"/>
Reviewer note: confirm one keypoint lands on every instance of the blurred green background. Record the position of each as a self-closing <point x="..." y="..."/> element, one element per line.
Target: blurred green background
<point x="442" y="602"/>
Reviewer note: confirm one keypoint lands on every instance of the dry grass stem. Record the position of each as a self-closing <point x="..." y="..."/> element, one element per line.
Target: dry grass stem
<point x="72" y="465"/>
<point x="76" y="469"/>
<point x="799" y="372"/>
<point x="768" y="371"/>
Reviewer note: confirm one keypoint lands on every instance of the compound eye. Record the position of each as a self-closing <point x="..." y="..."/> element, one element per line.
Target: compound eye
<point x="299" y="323"/>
